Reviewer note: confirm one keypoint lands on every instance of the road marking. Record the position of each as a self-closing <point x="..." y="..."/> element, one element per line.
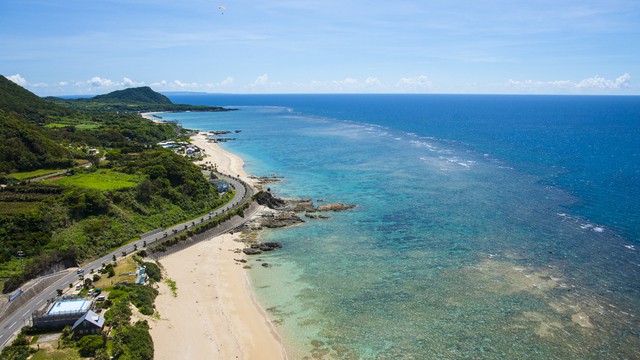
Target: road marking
<point x="25" y="314"/>
<point x="12" y="324"/>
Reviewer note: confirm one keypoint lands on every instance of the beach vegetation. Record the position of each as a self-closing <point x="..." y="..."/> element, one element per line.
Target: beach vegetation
<point x="172" y="286"/>
<point x="88" y="345"/>
<point x="119" y="313"/>
<point x="133" y="342"/>
<point x="153" y="271"/>
<point x="141" y="296"/>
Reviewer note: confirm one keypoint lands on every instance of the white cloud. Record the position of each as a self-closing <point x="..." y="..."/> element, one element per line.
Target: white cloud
<point x="226" y="82"/>
<point x="97" y="81"/>
<point x="183" y="85"/>
<point x="414" y="83"/>
<point x="592" y="83"/>
<point x="126" y="82"/>
<point x="261" y="80"/>
<point x="161" y="83"/>
<point x="18" y="79"/>
<point x="598" y="82"/>
<point x="372" y="81"/>
<point x="100" y="82"/>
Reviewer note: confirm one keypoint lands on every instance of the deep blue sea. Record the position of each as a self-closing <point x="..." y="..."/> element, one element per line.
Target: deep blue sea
<point x="487" y="226"/>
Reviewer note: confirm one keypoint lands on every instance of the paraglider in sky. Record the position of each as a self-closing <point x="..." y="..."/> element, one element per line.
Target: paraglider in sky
<point x="221" y="8"/>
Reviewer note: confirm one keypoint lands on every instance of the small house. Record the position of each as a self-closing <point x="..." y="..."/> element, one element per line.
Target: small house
<point x="221" y="186"/>
<point x="141" y="275"/>
<point x="89" y="324"/>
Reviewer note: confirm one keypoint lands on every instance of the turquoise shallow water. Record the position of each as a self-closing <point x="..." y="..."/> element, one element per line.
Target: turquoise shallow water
<point x="486" y="227"/>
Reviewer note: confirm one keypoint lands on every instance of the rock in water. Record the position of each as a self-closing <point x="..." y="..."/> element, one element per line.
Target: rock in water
<point x="335" y="207"/>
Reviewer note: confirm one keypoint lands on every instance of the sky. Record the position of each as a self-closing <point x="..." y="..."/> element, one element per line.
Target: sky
<point x="73" y="47"/>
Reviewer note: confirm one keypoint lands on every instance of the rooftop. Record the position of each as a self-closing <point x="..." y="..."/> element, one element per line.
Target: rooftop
<point x="69" y="306"/>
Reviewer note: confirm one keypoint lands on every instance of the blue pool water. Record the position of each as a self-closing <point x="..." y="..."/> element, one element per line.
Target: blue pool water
<point x="486" y="227"/>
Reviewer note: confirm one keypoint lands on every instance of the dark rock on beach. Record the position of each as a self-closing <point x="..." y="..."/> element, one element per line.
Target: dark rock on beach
<point x="266" y="199"/>
<point x="279" y="220"/>
<point x="256" y="249"/>
<point x="251" y="251"/>
<point x="267" y="246"/>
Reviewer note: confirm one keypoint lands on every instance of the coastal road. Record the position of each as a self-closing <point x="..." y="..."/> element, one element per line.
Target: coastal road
<point x="20" y="317"/>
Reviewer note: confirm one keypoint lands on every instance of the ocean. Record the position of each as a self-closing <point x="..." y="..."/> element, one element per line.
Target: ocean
<point x="486" y="226"/>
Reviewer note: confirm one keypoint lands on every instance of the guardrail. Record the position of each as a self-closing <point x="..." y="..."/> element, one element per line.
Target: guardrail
<point x="227" y="226"/>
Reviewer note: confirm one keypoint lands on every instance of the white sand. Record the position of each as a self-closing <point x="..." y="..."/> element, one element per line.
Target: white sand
<point x="227" y="163"/>
<point x="214" y="315"/>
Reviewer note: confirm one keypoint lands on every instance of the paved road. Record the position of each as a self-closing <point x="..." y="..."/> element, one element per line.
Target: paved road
<point x="20" y="317"/>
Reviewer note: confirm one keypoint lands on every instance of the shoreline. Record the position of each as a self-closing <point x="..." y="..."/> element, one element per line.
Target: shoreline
<point x="215" y="314"/>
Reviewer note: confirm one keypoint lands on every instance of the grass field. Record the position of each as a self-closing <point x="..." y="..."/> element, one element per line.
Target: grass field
<point x="104" y="180"/>
<point x="122" y="269"/>
<point x="49" y="352"/>
<point x="17" y="207"/>
<point x="33" y="174"/>
<point x="83" y="126"/>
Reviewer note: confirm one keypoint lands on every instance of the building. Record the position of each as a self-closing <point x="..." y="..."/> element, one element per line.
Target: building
<point x="89" y="324"/>
<point x="61" y="313"/>
<point x="221" y="186"/>
<point x="141" y="275"/>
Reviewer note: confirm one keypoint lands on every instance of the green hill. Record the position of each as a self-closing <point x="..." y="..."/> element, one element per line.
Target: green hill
<point x="16" y="99"/>
<point x="132" y="187"/>
<point x="24" y="145"/>
<point x="132" y="101"/>
<point x="140" y="95"/>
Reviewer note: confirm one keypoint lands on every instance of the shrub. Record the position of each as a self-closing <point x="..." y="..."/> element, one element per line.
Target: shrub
<point x="133" y="342"/>
<point x="89" y="344"/>
<point x="153" y="271"/>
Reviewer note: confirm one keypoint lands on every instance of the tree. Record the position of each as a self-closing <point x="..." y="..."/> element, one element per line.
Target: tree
<point x="89" y="344"/>
<point x="133" y="342"/>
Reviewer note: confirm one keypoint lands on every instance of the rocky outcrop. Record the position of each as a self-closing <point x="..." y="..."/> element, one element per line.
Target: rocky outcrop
<point x="259" y="248"/>
<point x="298" y="204"/>
<point x="335" y="207"/>
<point x="266" y="199"/>
<point x="279" y="220"/>
<point x="278" y="213"/>
<point x="317" y="216"/>
<point x="265" y="179"/>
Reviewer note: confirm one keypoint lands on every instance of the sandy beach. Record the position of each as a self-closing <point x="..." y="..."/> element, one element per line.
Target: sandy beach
<point x="214" y="314"/>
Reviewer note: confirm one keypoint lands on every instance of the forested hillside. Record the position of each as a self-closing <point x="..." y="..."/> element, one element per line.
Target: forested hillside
<point x="141" y="95"/>
<point x="112" y="184"/>
<point x="132" y="100"/>
<point x="24" y="146"/>
<point x="17" y="100"/>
